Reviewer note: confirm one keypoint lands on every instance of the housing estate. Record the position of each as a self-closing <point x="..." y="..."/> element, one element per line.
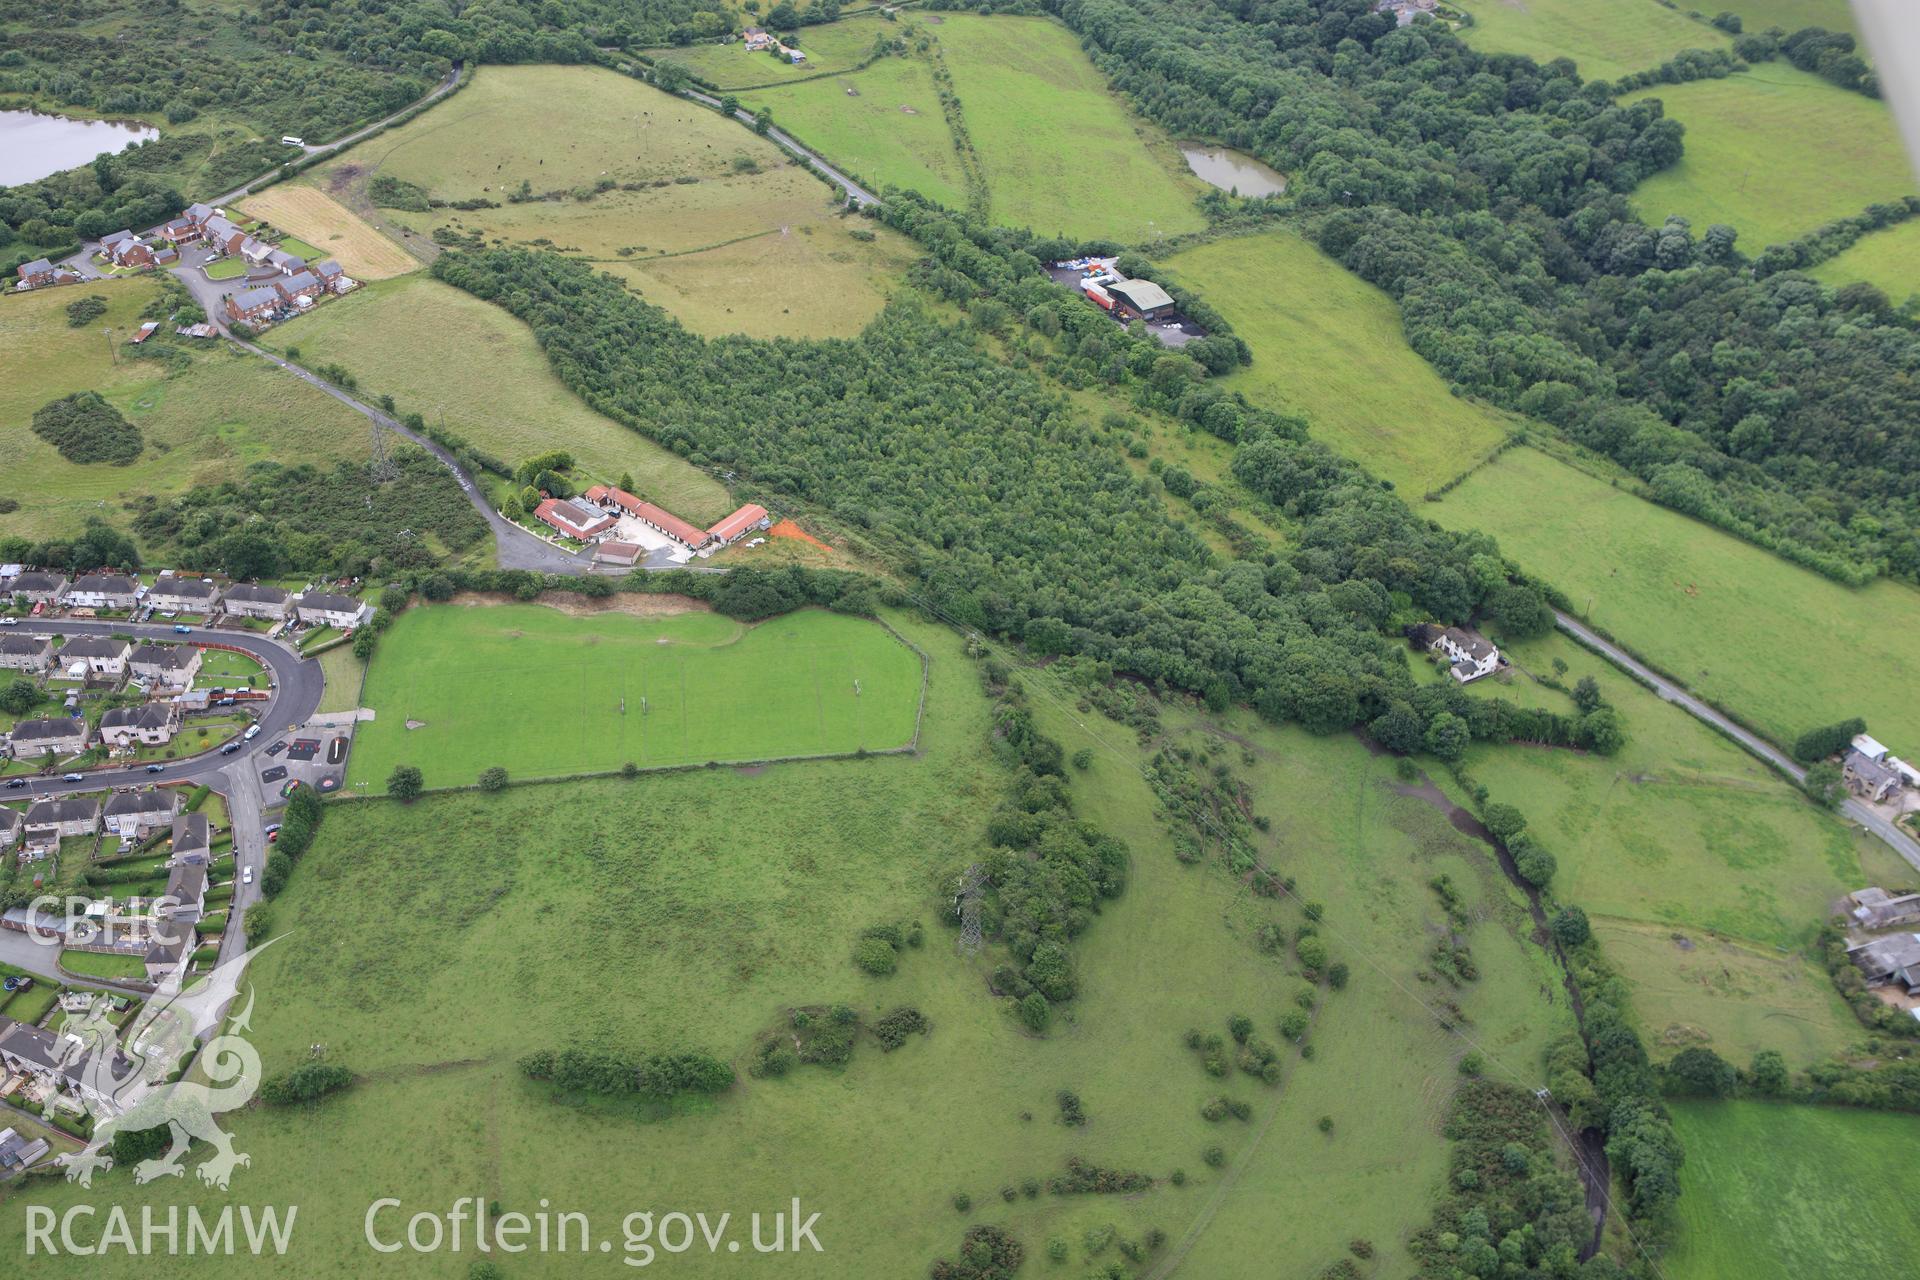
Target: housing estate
<point x="48" y="822"/>
<point x="64" y="737"/>
<point x="26" y="653"/>
<point x="318" y="608"/>
<point x="38" y="588"/>
<point x="169" y="666"/>
<point x="577" y="518"/>
<point x="176" y="594"/>
<point x="102" y="591"/>
<point x="1470" y="654"/>
<point x="135" y="815"/>
<point x="93" y="656"/>
<point x="151" y="724"/>
<point x="246" y="600"/>
<point x="172" y="940"/>
<point x="1875" y="908"/>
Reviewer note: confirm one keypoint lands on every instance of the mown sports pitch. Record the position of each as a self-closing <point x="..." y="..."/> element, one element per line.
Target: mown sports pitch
<point x="542" y="694"/>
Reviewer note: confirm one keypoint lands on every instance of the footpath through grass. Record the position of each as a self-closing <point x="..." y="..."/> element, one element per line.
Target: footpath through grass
<point x="1774" y="152"/>
<point x="1782" y="647"/>
<point x="1331" y="346"/>
<point x="542" y="694"/>
<point x="1778" y="1192"/>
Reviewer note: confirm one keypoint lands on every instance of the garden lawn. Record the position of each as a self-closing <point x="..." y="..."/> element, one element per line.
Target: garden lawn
<point x="1774" y="153"/>
<point x="1060" y="150"/>
<point x="834" y="46"/>
<point x="691" y="910"/>
<point x="420" y="341"/>
<point x="107" y="968"/>
<point x="1702" y="605"/>
<point x="544" y="694"/>
<point x="1889" y="258"/>
<point x="1779" y="1192"/>
<point x="227" y="669"/>
<point x="343" y="673"/>
<point x="1330" y="346"/>
<point x="226" y="269"/>
<point x="1606" y="38"/>
<point x="201" y="427"/>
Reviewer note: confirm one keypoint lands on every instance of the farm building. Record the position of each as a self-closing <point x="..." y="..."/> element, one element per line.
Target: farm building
<point x="318" y="608"/>
<point x="577" y="518"/>
<point x="26" y="653"/>
<point x="32" y="739"/>
<point x="102" y="591"/>
<point x="757" y="39"/>
<point x="152" y="724"/>
<point x="1875" y="908"/>
<point x="171" y="666"/>
<point x="38" y="588"/>
<point x="656" y="518"/>
<point x="94" y="656"/>
<point x="182" y="595"/>
<point x="248" y="600"/>
<point x="620" y="554"/>
<point x="1471" y="654"/>
<point x="740" y="523"/>
<point x="1893" y="960"/>
<point x="135" y="815"/>
<point x="1142" y="297"/>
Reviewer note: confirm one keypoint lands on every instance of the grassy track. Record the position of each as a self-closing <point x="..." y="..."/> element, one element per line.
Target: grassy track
<point x="889" y="131"/>
<point x="201" y="426"/>
<point x="542" y="693"/>
<point x="1606" y="38"/>
<point x="1777" y="1192"/>
<point x="1061" y="152"/>
<point x="836" y="46"/>
<point x="1889" y="259"/>
<point x="418" y="340"/>
<point x="1707" y="874"/>
<point x="1703" y="605"/>
<point x="690" y="910"/>
<point x="1329" y="345"/>
<point x="1773" y="153"/>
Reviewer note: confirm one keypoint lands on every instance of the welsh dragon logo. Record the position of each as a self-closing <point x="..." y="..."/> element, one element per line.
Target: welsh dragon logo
<point x="125" y="1085"/>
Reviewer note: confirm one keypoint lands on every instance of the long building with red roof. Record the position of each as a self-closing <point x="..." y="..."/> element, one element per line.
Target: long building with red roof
<point x="578" y="520"/>
<point x="611" y="499"/>
<point x="745" y="520"/>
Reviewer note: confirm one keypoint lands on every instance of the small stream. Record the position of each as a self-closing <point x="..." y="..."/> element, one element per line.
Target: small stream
<point x="1596" y="1176"/>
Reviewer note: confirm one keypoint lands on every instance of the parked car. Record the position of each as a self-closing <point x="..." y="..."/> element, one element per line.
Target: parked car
<point x="14" y="784"/>
<point x="74" y="777"/>
<point x="246" y="876"/>
<point x="155" y="768"/>
<point x="181" y="628"/>
<point x="229" y="749"/>
<point x="223" y="702"/>
<point x="9" y="622"/>
<point x="253" y="731"/>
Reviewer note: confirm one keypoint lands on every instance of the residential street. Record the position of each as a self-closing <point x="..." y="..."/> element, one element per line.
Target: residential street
<point x="1855" y="809"/>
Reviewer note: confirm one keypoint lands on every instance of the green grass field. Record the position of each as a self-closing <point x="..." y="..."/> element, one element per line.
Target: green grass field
<point x="417" y="340"/>
<point x="95" y="964"/>
<point x="343" y="673"/>
<point x="835" y="46"/>
<point x="1889" y="259"/>
<point x="692" y="909"/>
<point x="1701" y="604"/>
<point x="1329" y="345"/>
<point x="227" y="668"/>
<point x="1791" y="15"/>
<point x="1707" y="874"/>
<point x="1606" y="38"/>
<point x="201" y="426"/>
<point x="1777" y="1192"/>
<point x="1774" y="153"/>
<point x="888" y="132"/>
<point x="542" y="693"/>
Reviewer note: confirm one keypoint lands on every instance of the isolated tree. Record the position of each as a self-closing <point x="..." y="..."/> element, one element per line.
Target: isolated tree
<point x="1586" y="694"/>
<point x="1700" y="1073"/>
<point x="405" y="782"/>
<point x="1769" y="1073"/>
<point x="494" y="779"/>
<point x="1570" y="927"/>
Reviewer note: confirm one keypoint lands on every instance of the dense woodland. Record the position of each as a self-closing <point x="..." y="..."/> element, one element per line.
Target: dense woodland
<point x="1489" y="195"/>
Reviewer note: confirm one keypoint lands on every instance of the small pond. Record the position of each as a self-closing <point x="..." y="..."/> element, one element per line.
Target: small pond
<point x="33" y="145"/>
<point x="1232" y="170"/>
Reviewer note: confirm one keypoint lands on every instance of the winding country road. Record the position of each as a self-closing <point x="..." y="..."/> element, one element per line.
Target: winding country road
<point x="1855" y="809"/>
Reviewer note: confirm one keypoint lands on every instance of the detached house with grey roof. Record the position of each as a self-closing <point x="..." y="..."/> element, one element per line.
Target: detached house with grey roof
<point x="253" y="304"/>
<point x="318" y="608"/>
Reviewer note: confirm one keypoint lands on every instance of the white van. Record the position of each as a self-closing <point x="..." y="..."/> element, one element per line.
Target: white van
<point x="288" y="140"/>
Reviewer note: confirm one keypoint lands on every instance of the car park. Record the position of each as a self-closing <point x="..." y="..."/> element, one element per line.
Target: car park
<point x="277" y="747"/>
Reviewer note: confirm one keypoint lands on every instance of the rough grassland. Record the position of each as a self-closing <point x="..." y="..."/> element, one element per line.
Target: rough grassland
<point x="1889" y="259"/>
<point x="1701" y="604"/>
<point x="1683" y="834"/>
<point x="888" y="132"/>
<point x="835" y="46"/>
<point x="1606" y="38"/>
<point x="544" y="694"/>
<point x="1329" y="345"/>
<point x="1773" y="153"/>
<point x="721" y="227"/>
<point x="334" y="229"/>
<point x="472" y="368"/>
<point x="1774" y="1192"/>
<point x="692" y="910"/>
<point x="201" y="426"/>
<point x="1061" y="151"/>
<point x="1791" y="15"/>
